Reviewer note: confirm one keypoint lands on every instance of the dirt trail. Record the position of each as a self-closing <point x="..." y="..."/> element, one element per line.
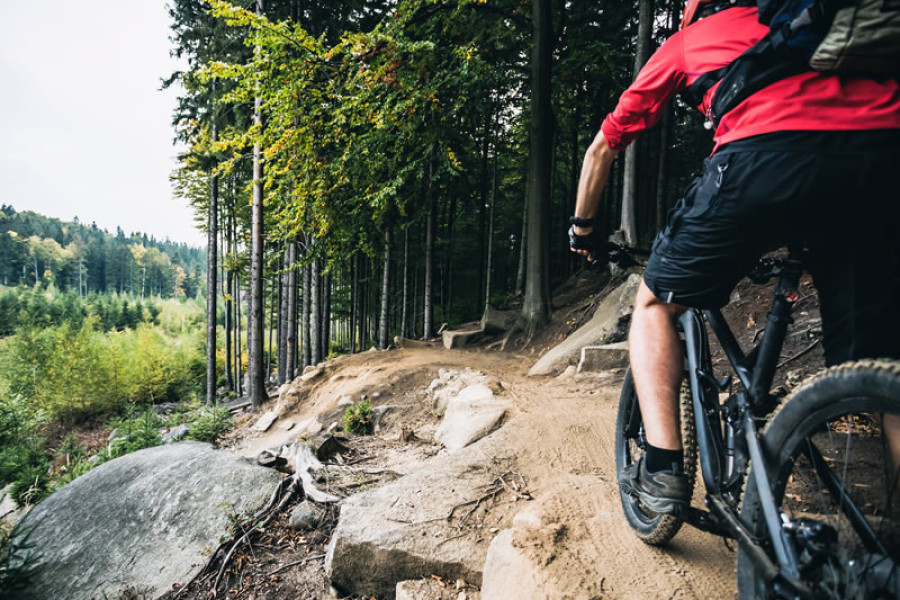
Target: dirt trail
<point x="561" y="434"/>
<point x="569" y="430"/>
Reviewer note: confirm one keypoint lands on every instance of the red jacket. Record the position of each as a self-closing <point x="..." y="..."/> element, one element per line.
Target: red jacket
<point x="809" y="101"/>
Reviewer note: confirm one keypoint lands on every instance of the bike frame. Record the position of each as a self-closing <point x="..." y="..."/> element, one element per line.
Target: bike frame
<point x="724" y="452"/>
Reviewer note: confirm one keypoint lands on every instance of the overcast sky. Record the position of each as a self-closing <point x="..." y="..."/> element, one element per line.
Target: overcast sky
<point x="84" y="126"/>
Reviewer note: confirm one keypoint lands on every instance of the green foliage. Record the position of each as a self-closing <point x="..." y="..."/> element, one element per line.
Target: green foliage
<point x="358" y="418"/>
<point x="18" y="561"/>
<point x="32" y="482"/>
<point x="211" y="424"/>
<point x="136" y="433"/>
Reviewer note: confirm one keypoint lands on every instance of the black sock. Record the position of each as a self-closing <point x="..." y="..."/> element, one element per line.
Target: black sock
<point x="659" y="459"/>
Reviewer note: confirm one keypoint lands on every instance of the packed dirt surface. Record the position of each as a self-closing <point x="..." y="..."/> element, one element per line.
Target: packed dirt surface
<point x="556" y="447"/>
<point x="559" y="439"/>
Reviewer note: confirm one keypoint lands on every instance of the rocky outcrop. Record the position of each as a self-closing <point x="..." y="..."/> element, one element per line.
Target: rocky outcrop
<point x="593" y="333"/>
<point x="141" y="522"/>
<point x="595" y="359"/>
<point x="471" y="415"/>
<point x="413" y="528"/>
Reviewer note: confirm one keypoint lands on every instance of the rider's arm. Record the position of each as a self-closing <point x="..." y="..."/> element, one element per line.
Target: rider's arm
<point x="595" y="169"/>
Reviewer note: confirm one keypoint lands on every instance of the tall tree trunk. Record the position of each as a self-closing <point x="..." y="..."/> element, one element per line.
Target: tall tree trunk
<point x="326" y="315"/>
<point x="212" y="241"/>
<point x="315" y="315"/>
<point x="283" y="294"/>
<point x="536" y="305"/>
<point x="255" y="327"/>
<point x="307" y="310"/>
<point x="385" y="289"/>
<point x="523" y="241"/>
<point x="483" y="204"/>
<point x="290" y="361"/>
<point x="273" y="303"/>
<point x="229" y="318"/>
<point x="490" y="237"/>
<point x="428" y="312"/>
<point x="354" y="300"/>
<point x="447" y="275"/>
<point x="404" y="331"/>
<point x="629" y="193"/>
<point x="238" y="350"/>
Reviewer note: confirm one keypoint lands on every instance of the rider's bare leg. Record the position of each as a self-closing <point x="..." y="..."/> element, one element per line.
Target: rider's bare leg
<point x="657" y="364"/>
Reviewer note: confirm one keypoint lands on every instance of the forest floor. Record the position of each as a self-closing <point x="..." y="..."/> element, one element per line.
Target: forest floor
<point x="561" y="435"/>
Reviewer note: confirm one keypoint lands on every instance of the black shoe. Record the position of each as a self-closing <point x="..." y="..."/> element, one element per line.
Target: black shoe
<point x="660" y="492"/>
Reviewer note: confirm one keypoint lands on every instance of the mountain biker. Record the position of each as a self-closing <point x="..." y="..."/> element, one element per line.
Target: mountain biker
<point x="812" y="159"/>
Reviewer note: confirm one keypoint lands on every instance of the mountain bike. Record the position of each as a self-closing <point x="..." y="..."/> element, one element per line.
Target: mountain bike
<point x="801" y="483"/>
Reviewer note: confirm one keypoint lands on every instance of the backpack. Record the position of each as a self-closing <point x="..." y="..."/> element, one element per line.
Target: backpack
<point x="845" y="37"/>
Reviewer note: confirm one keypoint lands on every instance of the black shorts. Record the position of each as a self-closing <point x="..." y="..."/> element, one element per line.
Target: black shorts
<point x="836" y="192"/>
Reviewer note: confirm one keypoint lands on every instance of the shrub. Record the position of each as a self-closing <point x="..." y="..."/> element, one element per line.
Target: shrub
<point x="137" y="433"/>
<point x="211" y="424"/>
<point x="358" y="418"/>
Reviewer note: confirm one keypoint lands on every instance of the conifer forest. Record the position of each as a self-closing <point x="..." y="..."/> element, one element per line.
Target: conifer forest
<point x="368" y="169"/>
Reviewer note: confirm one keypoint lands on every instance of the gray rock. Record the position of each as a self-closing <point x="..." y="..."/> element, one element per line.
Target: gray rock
<point x="595" y="359"/>
<point x="304" y="516"/>
<point x="442" y="397"/>
<point x="10" y="514"/>
<point x="470" y="416"/>
<point x="508" y="573"/>
<point x="265" y="421"/>
<point x="345" y="401"/>
<point x="311" y="372"/>
<point x="146" y="520"/>
<point x="166" y="408"/>
<point x="400" y="531"/>
<point x="378" y="413"/>
<point x="178" y="433"/>
<point x="569" y="373"/>
<point x="606" y="317"/>
<point x="460" y="339"/>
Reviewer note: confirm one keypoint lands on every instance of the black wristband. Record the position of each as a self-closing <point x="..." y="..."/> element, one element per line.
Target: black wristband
<point x="579" y="222"/>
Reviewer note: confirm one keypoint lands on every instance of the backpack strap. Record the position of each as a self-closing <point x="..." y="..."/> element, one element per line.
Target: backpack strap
<point x="772" y="58"/>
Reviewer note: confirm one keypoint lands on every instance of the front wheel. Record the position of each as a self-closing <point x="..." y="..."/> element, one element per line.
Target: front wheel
<point x="631" y="443"/>
<point x="833" y="474"/>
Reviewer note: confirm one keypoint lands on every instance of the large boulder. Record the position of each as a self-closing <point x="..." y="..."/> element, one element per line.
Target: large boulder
<point x="415" y="527"/>
<point x="141" y="522"/>
<point x="606" y="317"/>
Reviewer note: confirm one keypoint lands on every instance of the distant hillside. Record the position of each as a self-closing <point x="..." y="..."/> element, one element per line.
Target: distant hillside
<point x="38" y="249"/>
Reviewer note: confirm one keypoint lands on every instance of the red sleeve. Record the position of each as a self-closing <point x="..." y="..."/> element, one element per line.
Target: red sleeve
<point x="641" y="106"/>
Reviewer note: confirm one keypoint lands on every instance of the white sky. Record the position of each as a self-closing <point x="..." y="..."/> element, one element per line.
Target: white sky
<point x="84" y="129"/>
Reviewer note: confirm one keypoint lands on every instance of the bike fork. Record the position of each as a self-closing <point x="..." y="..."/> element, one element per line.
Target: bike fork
<point x="782" y="544"/>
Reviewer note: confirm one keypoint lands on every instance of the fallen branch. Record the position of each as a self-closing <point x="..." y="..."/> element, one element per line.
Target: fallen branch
<point x="799" y="354"/>
<point x="295" y="563"/>
<point x="286" y="485"/>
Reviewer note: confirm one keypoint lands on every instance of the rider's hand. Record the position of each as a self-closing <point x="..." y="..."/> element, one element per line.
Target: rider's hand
<point x="586" y="241"/>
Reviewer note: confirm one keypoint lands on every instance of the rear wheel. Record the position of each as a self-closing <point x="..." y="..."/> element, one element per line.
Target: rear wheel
<point x="652" y="527"/>
<point x="832" y="472"/>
